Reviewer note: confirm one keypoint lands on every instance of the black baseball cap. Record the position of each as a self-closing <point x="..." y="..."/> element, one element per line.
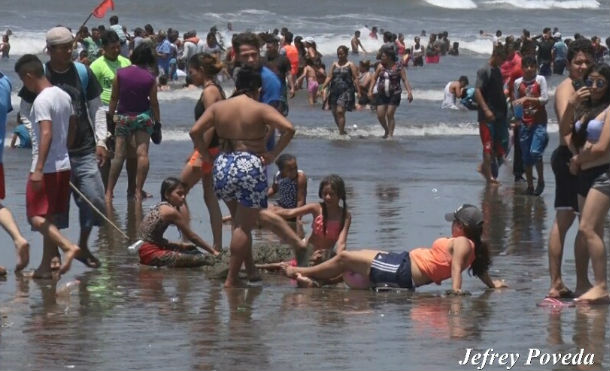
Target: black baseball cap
<point x="467" y="214"/>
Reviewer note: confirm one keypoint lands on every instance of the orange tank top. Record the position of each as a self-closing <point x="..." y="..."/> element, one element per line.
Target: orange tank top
<point x="293" y="56"/>
<point x="435" y="262"/>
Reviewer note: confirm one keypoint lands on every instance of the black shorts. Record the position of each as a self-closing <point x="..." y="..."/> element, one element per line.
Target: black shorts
<point x="364" y="100"/>
<point x="393" y="269"/>
<point x="566" y="184"/>
<point x="384" y="100"/>
<point x="587" y="177"/>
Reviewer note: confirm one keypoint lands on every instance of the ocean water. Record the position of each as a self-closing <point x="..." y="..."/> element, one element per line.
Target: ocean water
<point x="123" y="316"/>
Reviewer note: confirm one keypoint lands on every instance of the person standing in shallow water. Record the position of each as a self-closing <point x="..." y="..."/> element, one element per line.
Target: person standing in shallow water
<point x="489" y="94"/>
<point x="343" y="79"/>
<point x="580" y="59"/>
<point x="48" y="186"/>
<point x="203" y="69"/>
<point x="389" y="74"/>
<point x="242" y="123"/>
<point x="591" y="139"/>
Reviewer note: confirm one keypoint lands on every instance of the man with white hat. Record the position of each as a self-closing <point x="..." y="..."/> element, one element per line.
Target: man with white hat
<point x="89" y="148"/>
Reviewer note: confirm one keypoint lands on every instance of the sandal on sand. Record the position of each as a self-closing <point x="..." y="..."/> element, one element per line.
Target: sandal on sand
<point x="90" y="261"/>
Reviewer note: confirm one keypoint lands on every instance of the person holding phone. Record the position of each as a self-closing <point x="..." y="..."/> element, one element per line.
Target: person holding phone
<point x="580" y="59"/>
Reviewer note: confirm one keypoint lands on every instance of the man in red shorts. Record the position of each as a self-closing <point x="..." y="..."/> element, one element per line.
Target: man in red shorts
<point x="48" y="187"/>
<point x="489" y="94"/>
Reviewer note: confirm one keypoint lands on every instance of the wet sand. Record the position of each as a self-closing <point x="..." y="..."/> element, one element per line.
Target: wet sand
<point x="124" y="316"/>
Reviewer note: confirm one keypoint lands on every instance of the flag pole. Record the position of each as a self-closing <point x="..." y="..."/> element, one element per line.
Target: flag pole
<point x="83" y="25"/>
<point x="86" y="20"/>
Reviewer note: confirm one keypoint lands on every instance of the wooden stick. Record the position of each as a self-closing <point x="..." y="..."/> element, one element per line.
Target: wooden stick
<point x="97" y="210"/>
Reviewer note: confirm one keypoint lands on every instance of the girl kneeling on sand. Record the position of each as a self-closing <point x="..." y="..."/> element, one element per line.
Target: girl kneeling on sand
<point x="158" y="251"/>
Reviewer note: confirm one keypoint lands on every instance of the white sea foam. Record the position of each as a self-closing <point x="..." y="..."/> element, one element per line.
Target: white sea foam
<point x="547" y="4"/>
<point x="25" y="42"/>
<point x="191" y="94"/>
<point x="453" y="4"/>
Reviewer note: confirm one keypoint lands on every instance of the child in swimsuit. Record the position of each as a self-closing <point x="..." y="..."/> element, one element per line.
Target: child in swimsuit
<point x="156" y="250"/>
<point x="447" y="258"/>
<point x="309" y="73"/>
<point x="330" y="224"/>
<point x="289" y="183"/>
<point x="365" y="81"/>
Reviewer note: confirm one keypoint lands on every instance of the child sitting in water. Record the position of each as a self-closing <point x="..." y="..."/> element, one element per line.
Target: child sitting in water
<point x="447" y="258"/>
<point x="21" y="133"/>
<point x="158" y="251"/>
<point x="289" y="183"/>
<point x="330" y="224"/>
<point x="163" y="86"/>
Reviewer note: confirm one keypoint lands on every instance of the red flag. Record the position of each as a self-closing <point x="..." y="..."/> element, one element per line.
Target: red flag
<point x="100" y="10"/>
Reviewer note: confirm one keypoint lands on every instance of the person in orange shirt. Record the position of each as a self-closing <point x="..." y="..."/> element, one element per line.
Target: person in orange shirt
<point x="447" y="258"/>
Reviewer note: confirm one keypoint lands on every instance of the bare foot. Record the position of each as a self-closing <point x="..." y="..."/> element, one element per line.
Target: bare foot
<point x="68" y="257"/>
<point x="2" y="271"/>
<point x="306" y="282"/>
<point x="23" y="254"/>
<point x="596" y="295"/>
<point x="560" y="292"/>
<point x="492" y="181"/>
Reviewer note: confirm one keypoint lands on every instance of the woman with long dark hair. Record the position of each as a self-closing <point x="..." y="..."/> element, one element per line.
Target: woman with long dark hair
<point x="158" y="251"/>
<point x="203" y="68"/>
<point x="388" y="75"/>
<point x="343" y="80"/>
<point x="591" y="140"/>
<point x="446" y="258"/>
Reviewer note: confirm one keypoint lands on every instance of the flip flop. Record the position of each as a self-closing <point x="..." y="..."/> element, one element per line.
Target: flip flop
<point x="555" y="303"/>
<point x="90" y="261"/>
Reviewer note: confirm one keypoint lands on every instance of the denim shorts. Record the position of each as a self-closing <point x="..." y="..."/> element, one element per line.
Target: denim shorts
<point x="533" y="140"/>
<point x="86" y="177"/>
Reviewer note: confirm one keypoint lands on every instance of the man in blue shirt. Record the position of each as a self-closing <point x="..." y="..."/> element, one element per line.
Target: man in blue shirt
<point x="247" y="52"/>
<point x="164" y="50"/>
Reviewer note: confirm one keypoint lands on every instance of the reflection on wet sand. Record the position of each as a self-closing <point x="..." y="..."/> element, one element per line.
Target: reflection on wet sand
<point x="588" y="332"/>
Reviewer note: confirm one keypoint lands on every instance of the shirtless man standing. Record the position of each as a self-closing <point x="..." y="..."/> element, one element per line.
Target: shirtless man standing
<point x="356" y="43"/>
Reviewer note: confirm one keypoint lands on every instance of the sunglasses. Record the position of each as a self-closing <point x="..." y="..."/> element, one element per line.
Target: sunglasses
<point x="599" y="83"/>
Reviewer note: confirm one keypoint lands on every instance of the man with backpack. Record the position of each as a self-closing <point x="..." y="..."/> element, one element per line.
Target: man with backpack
<point x="88" y="150"/>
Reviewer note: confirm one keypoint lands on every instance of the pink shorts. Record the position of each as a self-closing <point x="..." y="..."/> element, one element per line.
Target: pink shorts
<point x="312" y="87"/>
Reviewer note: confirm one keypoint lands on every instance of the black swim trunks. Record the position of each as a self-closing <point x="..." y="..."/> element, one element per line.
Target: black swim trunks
<point x="393" y="269"/>
<point x="566" y="184"/>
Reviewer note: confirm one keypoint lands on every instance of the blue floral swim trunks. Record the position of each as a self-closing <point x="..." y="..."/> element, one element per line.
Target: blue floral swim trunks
<point x="241" y="176"/>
